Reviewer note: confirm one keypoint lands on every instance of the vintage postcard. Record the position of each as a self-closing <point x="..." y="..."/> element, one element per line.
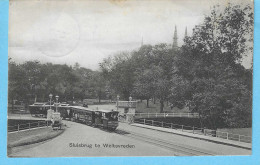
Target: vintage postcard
<point x="114" y="78"/>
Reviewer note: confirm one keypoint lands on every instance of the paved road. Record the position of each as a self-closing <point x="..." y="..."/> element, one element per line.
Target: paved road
<point x="62" y="146"/>
<point x="80" y="133"/>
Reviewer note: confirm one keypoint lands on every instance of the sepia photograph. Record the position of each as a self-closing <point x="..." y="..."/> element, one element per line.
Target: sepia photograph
<point x="129" y="78"/>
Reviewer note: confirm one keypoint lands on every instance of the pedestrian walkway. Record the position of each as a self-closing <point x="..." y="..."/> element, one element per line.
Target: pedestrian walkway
<point x="197" y="136"/>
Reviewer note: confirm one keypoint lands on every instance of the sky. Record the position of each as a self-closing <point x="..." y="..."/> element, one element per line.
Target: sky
<point x="87" y="31"/>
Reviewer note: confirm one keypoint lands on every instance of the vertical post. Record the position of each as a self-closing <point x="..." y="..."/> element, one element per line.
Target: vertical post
<point x="227" y="136"/>
<point x="144" y="121"/>
<point x="29" y="126"/>
<point x="47" y="123"/>
<point x="182" y="128"/>
<point x="152" y="122"/>
<point x="193" y="129"/>
<point x="204" y="131"/>
<point x="171" y="125"/>
<point x="38" y="123"/>
<point x="156" y="114"/>
<point x="18" y="127"/>
<point x="162" y="123"/>
<point x="148" y="114"/>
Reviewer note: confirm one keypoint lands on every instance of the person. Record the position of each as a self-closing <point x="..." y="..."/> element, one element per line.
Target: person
<point x="171" y="106"/>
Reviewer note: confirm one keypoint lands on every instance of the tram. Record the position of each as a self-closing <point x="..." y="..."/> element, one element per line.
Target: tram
<point x="39" y="109"/>
<point x="107" y="119"/>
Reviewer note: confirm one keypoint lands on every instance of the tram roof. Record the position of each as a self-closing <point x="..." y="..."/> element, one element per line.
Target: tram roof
<point x="82" y="108"/>
<point x="106" y="110"/>
<point x="40" y="105"/>
<point x="48" y="105"/>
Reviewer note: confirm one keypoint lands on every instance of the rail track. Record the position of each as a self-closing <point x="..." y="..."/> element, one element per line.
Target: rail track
<point x="178" y="148"/>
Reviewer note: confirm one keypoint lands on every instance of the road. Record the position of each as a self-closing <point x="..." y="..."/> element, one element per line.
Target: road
<point x="95" y="140"/>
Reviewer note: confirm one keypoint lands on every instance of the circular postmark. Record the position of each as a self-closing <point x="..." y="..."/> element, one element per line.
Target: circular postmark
<point x="56" y="35"/>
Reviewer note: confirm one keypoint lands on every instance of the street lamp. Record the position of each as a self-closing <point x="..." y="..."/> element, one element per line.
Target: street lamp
<point x="50" y="95"/>
<point x="130" y="99"/>
<point x="117" y="97"/>
<point x="57" y="98"/>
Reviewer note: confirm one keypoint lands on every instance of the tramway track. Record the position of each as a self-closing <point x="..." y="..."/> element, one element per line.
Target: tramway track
<point x="186" y="150"/>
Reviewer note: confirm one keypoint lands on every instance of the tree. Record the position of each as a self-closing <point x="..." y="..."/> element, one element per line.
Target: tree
<point x="120" y="73"/>
<point x="209" y="63"/>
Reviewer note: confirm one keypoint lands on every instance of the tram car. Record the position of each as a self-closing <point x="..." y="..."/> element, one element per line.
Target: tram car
<point x="107" y="119"/>
<point x="83" y="115"/>
<point x="39" y="109"/>
<point x="65" y="111"/>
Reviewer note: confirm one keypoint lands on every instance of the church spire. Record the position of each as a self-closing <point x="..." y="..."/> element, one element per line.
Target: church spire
<point x="175" y="38"/>
<point x="186" y="33"/>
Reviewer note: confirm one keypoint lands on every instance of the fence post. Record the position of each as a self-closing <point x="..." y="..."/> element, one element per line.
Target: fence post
<point x="47" y="123"/>
<point x="38" y="124"/>
<point x="171" y="125"/>
<point x="18" y="127"/>
<point x="162" y="123"/>
<point x="205" y="131"/>
<point x="193" y="129"/>
<point x="227" y="136"/>
<point x="152" y="122"/>
<point x="29" y="126"/>
<point x="144" y="121"/>
<point x="182" y="128"/>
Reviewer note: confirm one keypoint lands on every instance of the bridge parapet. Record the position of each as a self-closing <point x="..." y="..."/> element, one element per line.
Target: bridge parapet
<point x="155" y="115"/>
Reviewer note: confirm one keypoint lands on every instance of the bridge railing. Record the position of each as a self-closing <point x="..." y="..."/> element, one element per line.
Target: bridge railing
<point x="155" y="115"/>
<point x="28" y="126"/>
<point x="196" y="130"/>
<point x="125" y="104"/>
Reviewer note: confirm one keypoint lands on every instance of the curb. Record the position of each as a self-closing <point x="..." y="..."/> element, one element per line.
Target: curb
<point x="200" y="138"/>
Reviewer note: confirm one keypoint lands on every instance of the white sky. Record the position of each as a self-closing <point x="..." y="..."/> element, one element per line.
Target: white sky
<point x="86" y="31"/>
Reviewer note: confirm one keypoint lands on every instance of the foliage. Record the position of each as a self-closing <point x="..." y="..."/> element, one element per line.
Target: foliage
<point x="33" y="81"/>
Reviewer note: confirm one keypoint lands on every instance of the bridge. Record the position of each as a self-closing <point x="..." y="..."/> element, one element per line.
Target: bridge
<point x="145" y="141"/>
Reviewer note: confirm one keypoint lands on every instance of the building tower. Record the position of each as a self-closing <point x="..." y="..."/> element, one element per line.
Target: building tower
<point x="186" y="33"/>
<point x="175" y="39"/>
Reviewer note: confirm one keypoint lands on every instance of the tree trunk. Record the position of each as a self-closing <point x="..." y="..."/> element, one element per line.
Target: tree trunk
<point x="147" y="103"/>
<point x="161" y="106"/>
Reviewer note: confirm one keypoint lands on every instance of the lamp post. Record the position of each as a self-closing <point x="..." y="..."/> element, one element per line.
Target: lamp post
<point x="130" y="99"/>
<point x="57" y="98"/>
<point x="50" y="96"/>
<point x="117" y="97"/>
